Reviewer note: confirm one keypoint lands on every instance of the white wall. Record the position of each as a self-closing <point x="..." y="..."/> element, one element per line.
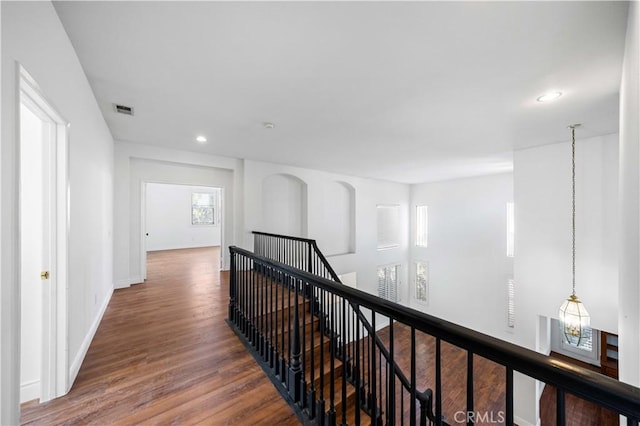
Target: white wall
<point x="340" y="237"/>
<point x="136" y="164"/>
<point x="629" y="246"/>
<point x="467" y="251"/>
<point x="33" y="36"/>
<point x="542" y="264"/>
<point x="168" y="214"/>
<point x="367" y="194"/>
<point x="284" y="205"/>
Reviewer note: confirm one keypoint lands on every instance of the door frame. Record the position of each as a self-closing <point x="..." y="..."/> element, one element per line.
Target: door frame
<point x="55" y="379"/>
<point x="143" y="218"/>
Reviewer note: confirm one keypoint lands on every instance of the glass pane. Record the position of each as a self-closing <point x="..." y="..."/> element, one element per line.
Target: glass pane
<point x="202" y="215"/>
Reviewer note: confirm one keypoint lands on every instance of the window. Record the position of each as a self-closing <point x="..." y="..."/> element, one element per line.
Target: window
<point x="588" y="351"/>
<point x="511" y="303"/>
<point x="511" y="225"/>
<point x="422" y="223"/>
<point x="204" y="208"/>
<point x="388" y="282"/>
<point x="585" y="344"/>
<point x="388" y="226"/>
<point x="422" y="281"/>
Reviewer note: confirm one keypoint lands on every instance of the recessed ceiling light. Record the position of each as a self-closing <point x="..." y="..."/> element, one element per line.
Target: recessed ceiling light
<point x="201" y="139"/>
<point x="548" y="97"/>
<point x="268" y="125"/>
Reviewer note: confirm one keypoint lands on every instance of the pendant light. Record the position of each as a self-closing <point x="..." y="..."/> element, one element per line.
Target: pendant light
<point x="574" y="318"/>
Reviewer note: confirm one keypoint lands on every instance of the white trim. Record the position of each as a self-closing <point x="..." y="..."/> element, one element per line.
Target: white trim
<point x="122" y="283"/>
<point x="30" y="391"/>
<point x="136" y="280"/>
<point x="143" y="231"/>
<point x="522" y="422"/>
<point x="82" y="352"/>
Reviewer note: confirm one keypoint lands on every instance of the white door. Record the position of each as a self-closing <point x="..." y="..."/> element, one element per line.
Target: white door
<point x="35" y="259"/>
<point x="44" y="372"/>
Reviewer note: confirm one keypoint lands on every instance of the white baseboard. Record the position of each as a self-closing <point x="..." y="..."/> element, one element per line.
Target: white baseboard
<point x="522" y="422"/>
<point x="82" y="352"/>
<point x="122" y="283"/>
<point x="29" y="391"/>
<point x="127" y="282"/>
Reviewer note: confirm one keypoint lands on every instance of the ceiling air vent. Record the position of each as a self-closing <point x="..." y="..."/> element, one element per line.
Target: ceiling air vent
<point x="123" y="109"/>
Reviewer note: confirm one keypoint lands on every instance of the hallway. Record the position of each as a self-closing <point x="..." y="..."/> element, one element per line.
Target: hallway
<point x="163" y="354"/>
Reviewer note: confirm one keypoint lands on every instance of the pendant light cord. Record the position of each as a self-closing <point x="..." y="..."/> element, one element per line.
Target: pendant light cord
<point x="573" y="208"/>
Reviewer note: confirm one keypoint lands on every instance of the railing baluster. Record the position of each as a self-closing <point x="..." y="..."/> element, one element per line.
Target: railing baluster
<point x="438" y="383"/>
<point x="323" y="313"/>
<point x="275" y="326"/>
<point x="412" y="418"/>
<point x="509" y="395"/>
<point x="357" y="373"/>
<point x="373" y="404"/>
<point x="560" y="412"/>
<point x="232" y="287"/>
<point x="283" y="362"/>
<point x="271" y="322"/>
<point x="332" y="368"/>
<point x="311" y="397"/>
<point x="344" y="362"/>
<point x="295" y="373"/>
<point x="470" y="408"/>
<point x="392" y="382"/>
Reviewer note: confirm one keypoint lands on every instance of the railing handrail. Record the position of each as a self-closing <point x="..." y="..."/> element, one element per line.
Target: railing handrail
<point x="288" y="237"/>
<point x="589" y="385"/>
<point x="313" y="244"/>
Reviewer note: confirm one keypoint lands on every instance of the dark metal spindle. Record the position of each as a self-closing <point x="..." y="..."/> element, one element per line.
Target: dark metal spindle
<point x="438" y="383"/>
<point x="344" y="361"/>
<point x="332" y="352"/>
<point x="392" y="382"/>
<point x="412" y="418"/>
<point x="356" y="379"/>
<point x="509" y="402"/>
<point x="560" y="412"/>
<point x="470" y="409"/>
<point x="373" y="404"/>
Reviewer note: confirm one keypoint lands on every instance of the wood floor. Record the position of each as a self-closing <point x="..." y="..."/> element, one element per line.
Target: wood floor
<point x="163" y="354"/>
<point x="489" y="378"/>
<point x="578" y="411"/>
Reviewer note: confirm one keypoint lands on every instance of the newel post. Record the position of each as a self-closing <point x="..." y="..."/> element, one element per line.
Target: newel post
<point x="232" y="286"/>
<point x="295" y="368"/>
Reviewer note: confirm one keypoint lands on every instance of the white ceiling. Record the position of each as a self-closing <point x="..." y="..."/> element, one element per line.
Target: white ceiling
<point x="404" y="91"/>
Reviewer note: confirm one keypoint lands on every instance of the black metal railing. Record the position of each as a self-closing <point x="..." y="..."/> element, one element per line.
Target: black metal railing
<point x="307" y="329"/>
<point x="297" y="252"/>
<point x="304" y="254"/>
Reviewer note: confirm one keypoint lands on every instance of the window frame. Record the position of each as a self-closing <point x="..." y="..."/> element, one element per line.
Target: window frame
<point x="398" y="271"/>
<point x="416" y="264"/>
<point x="422" y="240"/>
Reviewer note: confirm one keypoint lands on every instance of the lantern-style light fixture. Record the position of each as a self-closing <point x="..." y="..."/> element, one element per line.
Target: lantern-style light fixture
<point x="574" y="318"/>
